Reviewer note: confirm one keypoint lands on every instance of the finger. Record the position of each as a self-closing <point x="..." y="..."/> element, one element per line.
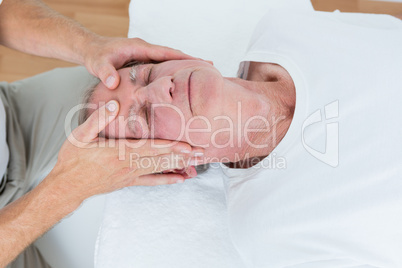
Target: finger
<point x="109" y="76"/>
<point x="166" y="53"/>
<point x="156" y="164"/>
<point x="190" y="172"/>
<point x="159" y="53"/>
<point x="151" y="147"/>
<point x="159" y="179"/>
<point x="187" y="173"/>
<point x="97" y="122"/>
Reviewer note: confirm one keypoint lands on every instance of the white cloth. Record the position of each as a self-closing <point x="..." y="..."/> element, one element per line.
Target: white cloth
<point x="341" y="208"/>
<point x="4" y="153"/>
<point x="209" y="29"/>
<point x="183" y="225"/>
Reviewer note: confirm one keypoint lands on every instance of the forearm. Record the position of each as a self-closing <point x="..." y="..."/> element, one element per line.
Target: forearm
<point x="26" y="219"/>
<point x="32" y="27"/>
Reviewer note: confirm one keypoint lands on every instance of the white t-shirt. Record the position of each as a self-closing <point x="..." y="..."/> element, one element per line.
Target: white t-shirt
<point x="330" y="195"/>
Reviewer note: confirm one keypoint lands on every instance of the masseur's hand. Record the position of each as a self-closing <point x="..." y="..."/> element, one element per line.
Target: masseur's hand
<point x="105" y="55"/>
<point x="90" y="165"/>
<point x="87" y="165"/>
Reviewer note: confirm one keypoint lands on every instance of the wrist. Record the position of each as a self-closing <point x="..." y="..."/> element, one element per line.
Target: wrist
<point x="91" y="50"/>
<point x="61" y="189"/>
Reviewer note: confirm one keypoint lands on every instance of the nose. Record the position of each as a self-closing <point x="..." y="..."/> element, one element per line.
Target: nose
<point x="157" y="92"/>
<point x="160" y="90"/>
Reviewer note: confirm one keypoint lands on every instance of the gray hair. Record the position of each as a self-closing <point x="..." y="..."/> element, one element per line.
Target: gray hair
<point x="85" y="99"/>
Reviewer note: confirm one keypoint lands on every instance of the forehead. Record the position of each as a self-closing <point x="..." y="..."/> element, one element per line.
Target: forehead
<point x="132" y="72"/>
<point x="101" y="95"/>
<point x="101" y="92"/>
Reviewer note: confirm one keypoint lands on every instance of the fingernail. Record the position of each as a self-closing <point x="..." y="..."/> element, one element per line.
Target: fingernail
<point x="110" y="81"/>
<point x="180" y="181"/>
<point x="111" y="106"/>
<point x="185" y="151"/>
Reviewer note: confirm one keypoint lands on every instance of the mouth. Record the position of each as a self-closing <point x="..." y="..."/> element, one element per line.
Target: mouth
<point x="189" y="92"/>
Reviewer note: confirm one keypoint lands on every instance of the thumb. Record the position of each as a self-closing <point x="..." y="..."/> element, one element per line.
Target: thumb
<point x="97" y="122"/>
<point x="109" y="76"/>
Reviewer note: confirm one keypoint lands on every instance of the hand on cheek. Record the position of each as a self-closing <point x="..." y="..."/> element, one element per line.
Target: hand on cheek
<point x="89" y="165"/>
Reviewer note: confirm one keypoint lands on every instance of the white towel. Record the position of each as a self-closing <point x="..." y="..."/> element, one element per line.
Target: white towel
<point x="182" y="225"/>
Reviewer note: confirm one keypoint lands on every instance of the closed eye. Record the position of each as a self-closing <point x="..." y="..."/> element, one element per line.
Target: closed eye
<point x="143" y="69"/>
<point x="139" y="122"/>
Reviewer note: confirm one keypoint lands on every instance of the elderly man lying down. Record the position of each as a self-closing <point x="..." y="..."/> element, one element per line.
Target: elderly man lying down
<point x="309" y="135"/>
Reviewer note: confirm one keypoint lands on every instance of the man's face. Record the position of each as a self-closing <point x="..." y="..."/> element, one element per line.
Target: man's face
<point x="176" y="100"/>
